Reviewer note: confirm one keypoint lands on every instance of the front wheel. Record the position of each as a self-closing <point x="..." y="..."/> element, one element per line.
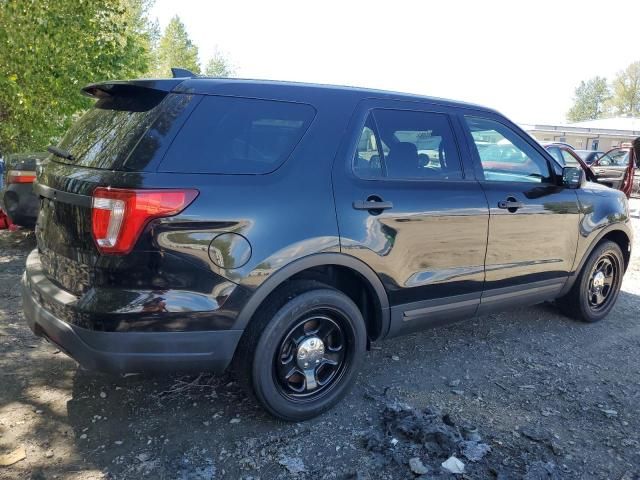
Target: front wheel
<point x="596" y="289"/>
<point x="302" y="352"/>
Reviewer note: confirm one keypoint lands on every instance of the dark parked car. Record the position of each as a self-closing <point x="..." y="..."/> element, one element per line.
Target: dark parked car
<point x="589" y="156"/>
<point x="187" y="222"/>
<point x="567" y="156"/>
<point x="18" y="200"/>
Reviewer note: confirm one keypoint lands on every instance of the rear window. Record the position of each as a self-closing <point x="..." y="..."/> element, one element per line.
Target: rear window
<point x="229" y="135"/>
<point x="105" y="135"/>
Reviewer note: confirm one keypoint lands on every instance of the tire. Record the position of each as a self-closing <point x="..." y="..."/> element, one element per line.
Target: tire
<point x="581" y="303"/>
<point x="283" y="336"/>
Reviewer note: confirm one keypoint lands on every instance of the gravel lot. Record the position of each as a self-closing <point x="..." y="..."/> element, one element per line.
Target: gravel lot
<point x="551" y="397"/>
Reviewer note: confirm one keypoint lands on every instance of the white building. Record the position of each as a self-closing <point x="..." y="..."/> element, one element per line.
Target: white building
<point x="602" y="134"/>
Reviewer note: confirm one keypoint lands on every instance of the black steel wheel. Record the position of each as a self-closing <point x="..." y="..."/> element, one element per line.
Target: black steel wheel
<point x="300" y="355"/>
<point x="596" y="289"/>
<point x="312" y="355"/>
<point x="602" y="281"/>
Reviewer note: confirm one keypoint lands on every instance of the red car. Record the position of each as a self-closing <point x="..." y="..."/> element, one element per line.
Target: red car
<point x="616" y="168"/>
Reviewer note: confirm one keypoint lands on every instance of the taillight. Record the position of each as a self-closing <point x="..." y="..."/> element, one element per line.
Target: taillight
<point x="119" y="215"/>
<point x="21" y="176"/>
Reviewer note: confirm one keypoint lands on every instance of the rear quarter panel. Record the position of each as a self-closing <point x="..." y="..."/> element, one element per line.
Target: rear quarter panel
<point x="285" y="215"/>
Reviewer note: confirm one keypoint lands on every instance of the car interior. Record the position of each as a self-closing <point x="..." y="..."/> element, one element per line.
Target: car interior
<point x="407" y="150"/>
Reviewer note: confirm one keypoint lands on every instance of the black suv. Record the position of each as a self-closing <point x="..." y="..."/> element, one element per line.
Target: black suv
<point x="188" y="222"/>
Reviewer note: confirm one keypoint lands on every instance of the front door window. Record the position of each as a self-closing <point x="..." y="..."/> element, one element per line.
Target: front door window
<point x="504" y="155"/>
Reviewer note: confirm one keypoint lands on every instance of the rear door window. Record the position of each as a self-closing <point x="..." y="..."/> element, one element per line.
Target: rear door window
<point x="230" y="135"/>
<point x="403" y="144"/>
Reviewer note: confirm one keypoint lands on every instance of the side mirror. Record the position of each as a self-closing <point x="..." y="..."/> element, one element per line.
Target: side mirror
<point x="573" y="177"/>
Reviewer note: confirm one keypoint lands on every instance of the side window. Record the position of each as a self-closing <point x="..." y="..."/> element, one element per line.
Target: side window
<point x="229" y="135"/>
<point x="402" y="144"/>
<point x="505" y="156"/>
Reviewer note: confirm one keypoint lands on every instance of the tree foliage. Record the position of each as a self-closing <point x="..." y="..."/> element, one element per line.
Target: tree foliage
<point x="626" y="91"/>
<point x="49" y="49"/>
<point x="219" y="66"/>
<point x="595" y="98"/>
<point x="175" y="49"/>
<point x="590" y="100"/>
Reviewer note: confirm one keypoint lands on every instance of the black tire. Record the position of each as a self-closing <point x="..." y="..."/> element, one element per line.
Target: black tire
<point x="267" y="349"/>
<point x="581" y="302"/>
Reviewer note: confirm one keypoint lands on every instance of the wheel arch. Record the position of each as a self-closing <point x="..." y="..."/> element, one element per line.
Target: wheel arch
<point x="614" y="233"/>
<point x="618" y="233"/>
<point x="327" y="267"/>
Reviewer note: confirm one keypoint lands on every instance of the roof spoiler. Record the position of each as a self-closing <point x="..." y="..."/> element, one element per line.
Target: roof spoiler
<point x="130" y="87"/>
<point x="136" y="87"/>
<point x="178" y="72"/>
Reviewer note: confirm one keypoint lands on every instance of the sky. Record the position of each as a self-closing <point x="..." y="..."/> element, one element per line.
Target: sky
<point x="521" y="57"/>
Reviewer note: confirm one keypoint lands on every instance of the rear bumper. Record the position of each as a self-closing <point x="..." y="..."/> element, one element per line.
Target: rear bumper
<point x="121" y="352"/>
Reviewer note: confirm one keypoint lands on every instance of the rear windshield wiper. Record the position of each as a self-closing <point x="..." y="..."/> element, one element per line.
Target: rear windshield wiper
<point x="59" y="152"/>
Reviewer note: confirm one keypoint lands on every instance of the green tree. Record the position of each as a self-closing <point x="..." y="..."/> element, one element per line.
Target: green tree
<point x="175" y="49"/>
<point x="219" y="66"/>
<point x="590" y="100"/>
<point x="626" y="91"/>
<point x="49" y="49"/>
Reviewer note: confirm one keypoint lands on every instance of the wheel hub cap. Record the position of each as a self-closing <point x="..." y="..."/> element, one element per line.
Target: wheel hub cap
<point x="602" y="284"/>
<point x="310" y="354"/>
<point x="313" y="355"/>
<point x="598" y="280"/>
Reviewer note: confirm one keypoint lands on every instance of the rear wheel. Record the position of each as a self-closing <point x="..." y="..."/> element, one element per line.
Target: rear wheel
<point x="301" y="353"/>
<point x="596" y="289"/>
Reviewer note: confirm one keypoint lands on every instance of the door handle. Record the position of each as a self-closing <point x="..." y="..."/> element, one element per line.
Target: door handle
<point x="510" y="204"/>
<point x="372" y="205"/>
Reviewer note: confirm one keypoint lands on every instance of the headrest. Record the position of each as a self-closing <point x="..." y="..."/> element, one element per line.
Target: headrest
<point x="404" y="150"/>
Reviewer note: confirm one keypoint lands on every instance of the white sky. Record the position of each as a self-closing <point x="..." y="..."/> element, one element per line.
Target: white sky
<point x="521" y="57"/>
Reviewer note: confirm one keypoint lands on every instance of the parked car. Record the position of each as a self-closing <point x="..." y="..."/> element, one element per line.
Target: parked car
<point x="188" y="222"/>
<point x="618" y="168"/>
<point x="567" y="156"/>
<point x="18" y="200"/>
<point x="589" y="156"/>
<point x="618" y="172"/>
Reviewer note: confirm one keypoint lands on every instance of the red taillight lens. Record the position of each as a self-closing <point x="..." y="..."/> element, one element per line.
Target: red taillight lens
<point x="118" y="215"/>
<point x="21" y="176"/>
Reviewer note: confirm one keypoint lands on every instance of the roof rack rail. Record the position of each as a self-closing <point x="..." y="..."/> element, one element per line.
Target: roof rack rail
<point x="181" y="73"/>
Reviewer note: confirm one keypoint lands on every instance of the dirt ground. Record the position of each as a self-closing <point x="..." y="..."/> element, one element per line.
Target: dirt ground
<point x="550" y="397"/>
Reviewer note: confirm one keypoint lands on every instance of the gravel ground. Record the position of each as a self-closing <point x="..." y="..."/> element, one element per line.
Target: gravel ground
<point x="526" y="393"/>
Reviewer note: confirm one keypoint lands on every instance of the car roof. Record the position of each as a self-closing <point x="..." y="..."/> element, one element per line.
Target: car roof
<point x="562" y="144"/>
<point x="300" y="91"/>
